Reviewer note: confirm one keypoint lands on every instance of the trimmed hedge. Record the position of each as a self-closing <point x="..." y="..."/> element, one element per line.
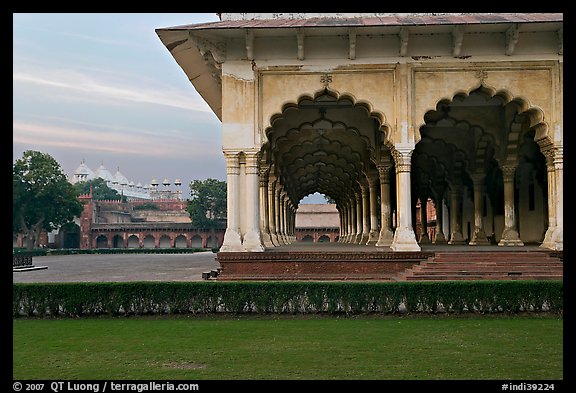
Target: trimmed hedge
<point x="202" y="297"/>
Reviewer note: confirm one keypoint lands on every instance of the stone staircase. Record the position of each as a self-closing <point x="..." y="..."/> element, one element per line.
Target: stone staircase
<point x="487" y="265"/>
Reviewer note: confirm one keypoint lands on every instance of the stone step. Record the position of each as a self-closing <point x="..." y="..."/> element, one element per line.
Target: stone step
<point x="506" y="265"/>
<point x="481" y="277"/>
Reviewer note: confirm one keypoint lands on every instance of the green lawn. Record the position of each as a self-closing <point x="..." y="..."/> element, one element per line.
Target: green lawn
<point x="290" y="347"/>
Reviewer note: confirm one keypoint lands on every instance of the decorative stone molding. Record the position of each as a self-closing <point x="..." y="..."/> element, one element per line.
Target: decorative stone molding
<point x="457" y="38"/>
<point x="512" y="35"/>
<point x="216" y="49"/>
<point x="403" y="35"/>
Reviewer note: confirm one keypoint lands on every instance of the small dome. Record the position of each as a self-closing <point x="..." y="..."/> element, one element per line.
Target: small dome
<point x="166" y="182"/>
<point x="83" y="173"/>
<point x="120" y="178"/>
<point x="177" y="182"/>
<point x="104" y="173"/>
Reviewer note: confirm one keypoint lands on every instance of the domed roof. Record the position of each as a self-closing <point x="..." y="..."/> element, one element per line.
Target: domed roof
<point x="84" y="171"/>
<point x="120" y="178"/>
<point x="104" y="173"/>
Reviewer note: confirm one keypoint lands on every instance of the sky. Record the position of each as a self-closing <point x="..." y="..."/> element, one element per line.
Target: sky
<point x="103" y="89"/>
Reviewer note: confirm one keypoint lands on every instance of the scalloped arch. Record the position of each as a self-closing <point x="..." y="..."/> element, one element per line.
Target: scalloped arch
<point x="535" y="113"/>
<point x="377" y="115"/>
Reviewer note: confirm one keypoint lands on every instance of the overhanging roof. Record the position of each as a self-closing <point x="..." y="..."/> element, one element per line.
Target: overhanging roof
<point x="204" y="72"/>
<point x="489" y="18"/>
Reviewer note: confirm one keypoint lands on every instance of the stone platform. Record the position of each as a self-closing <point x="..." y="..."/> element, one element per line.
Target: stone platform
<point x="335" y="261"/>
<point x="317" y="261"/>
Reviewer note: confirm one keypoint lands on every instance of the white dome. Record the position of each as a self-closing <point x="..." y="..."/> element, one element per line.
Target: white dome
<point x="120" y="178"/>
<point x="104" y="173"/>
<point x="83" y="173"/>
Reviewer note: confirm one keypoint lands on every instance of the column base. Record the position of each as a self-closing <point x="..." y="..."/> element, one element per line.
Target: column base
<point x="372" y="238"/>
<point x="510" y="237"/>
<point x="232" y="242"/>
<point x="424" y="239"/>
<point x="457" y="239"/>
<point x="559" y="239"/>
<point x="404" y="240"/>
<point x="552" y="240"/>
<point x="479" y="238"/>
<point x="274" y="239"/>
<point x="364" y="238"/>
<point x="385" y="238"/>
<point x="252" y="242"/>
<point x="267" y="240"/>
<point x="440" y="238"/>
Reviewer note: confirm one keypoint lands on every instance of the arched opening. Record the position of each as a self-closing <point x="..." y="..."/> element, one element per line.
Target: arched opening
<point x="325" y="145"/>
<point x="133" y="241"/>
<point x="149" y="242"/>
<point x="165" y="241"/>
<point x="180" y="241"/>
<point x="470" y="148"/>
<point x="117" y="241"/>
<point x="196" y="241"/>
<point x="101" y="242"/>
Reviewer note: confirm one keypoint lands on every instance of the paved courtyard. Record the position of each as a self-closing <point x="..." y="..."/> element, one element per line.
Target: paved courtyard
<point x="119" y="267"/>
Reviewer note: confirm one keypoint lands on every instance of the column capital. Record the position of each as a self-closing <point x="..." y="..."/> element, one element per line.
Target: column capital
<point x="232" y="157"/>
<point x="402" y="158"/>
<point x="508" y="172"/>
<point x="478" y="178"/>
<point x="263" y="174"/>
<point x="384" y="173"/>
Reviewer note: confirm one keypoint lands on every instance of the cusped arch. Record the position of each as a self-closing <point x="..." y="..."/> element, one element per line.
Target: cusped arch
<point x="504" y="96"/>
<point x="338" y="98"/>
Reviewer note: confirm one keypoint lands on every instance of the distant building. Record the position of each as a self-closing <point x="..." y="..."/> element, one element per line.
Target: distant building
<point x="317" y="223"/>
<point x="131" y="190"/>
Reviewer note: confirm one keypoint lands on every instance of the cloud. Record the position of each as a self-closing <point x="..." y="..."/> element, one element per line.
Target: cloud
<point x="165" y="143"/>
<point x="97" y="90"/>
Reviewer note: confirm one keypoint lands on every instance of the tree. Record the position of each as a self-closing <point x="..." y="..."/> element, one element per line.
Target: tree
<point x="207" y="205"/>
<point x="100" y="190"/>
<point x="42" y="197"/>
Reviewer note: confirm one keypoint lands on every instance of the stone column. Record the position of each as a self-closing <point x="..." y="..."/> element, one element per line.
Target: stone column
<point x="352" y="225"/>
<point x="252" y="239"/>
<point x="439" y="237"/>
<point x="232" y="242"/>
<point x="366" y="215"/>
<point x="358" y="237"/>
<point x="283" y="217"/>
<point x="277" y="215"/>
<point x="345" y="214"/>
<point x="479" y="237"/>
<point x="510" y="236"/>
<point x="373" y="234"/>
<point x="424" y="239"/>
<point x="404" y="237"/>
<point x="456" y="215"/>
<point x="553" y="239"/>
<point x="559" y="196"/>
<point x="272" y="210"/>
<point x="292" y="222"/>
<point x="264" y="207"/>
<point x="386" y="235"/>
